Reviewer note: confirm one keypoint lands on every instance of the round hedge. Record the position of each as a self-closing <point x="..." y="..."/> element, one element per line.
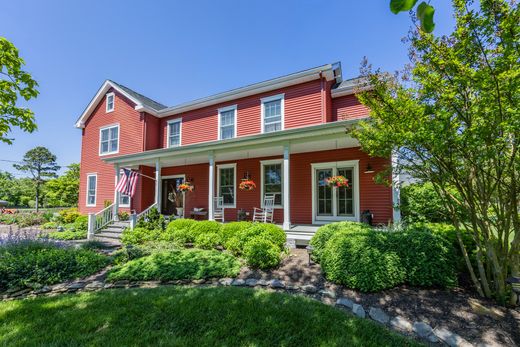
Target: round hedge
<point x="261" y="253"/>
<point x="208" y="240"/>
<point x="231" y="229"/>
<point x="325" y="232"/>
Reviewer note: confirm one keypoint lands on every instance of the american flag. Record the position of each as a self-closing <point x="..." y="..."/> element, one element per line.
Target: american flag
<point x="127" y="182"/>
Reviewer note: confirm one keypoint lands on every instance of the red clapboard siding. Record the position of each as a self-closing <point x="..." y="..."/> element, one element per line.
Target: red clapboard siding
<point x="130" y="141"/>
<point x="348" y="107"/>
<point x="303" y="107"/>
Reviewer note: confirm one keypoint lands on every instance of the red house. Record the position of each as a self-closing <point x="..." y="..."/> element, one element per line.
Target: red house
<point x="286" y="134"/>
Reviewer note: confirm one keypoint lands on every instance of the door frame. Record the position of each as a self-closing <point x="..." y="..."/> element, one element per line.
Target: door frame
<point x="354" y="164"/>
<point x="183" y="176"/>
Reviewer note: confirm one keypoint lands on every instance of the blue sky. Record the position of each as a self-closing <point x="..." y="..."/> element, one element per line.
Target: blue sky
<point x="176" y="51"/>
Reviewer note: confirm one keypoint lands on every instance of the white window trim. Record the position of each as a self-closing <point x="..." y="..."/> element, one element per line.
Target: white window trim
<point x="282" y="106"/>
<point x="225" y="109"/>
<point x="120" y="195"/>
<point x="118" y="138"/>
<point x="227" y="166"/>
<point x="171" y="121"/>
<point x="262" y="164"/>
<point x="113" y="102"/>
<point x="354" y="164"/>
<point x="95" y="194"/>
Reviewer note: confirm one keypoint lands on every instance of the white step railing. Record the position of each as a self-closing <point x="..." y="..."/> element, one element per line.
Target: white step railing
<point x="104" y="217"/>
<point x="146" y="211"/>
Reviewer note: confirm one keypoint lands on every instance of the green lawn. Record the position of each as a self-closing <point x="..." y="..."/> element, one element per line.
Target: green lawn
<point x="174" y="316"/>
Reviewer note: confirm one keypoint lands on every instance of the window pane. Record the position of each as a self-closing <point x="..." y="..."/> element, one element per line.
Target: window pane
<point x="345" y="194"/>
<point x="104" y="147"/>
<point x="175" y="128"/>
<point x="175" y="141"/>
<point x="113" y="133"/>
<point x="227" y="185"/>
<point x="175" y="134"/>
<point x="227" y="132"/>
<point x="227" y="118"/>
<point x="273" y="181"/>
<point x="273" y="116"/>
<point x="91" y="190"/>
<point x="113" y="145"/>
<point x="272" y="127"/>
<point x="109" y="140"/>
<point x="104" y="135"/>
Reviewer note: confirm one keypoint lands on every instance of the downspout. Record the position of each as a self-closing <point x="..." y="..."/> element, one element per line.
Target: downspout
<point x="144" y="131"/>
<point x="322" y="91"/>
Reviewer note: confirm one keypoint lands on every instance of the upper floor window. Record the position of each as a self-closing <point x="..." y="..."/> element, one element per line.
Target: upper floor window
<point x="110" y="102"/>
<point x="272" y="113"/>
<point x="227" y="122"/>
<point x="109" y="140"/>
<point x="226" y="183"/>
<point x="174" y="133"/>
<point x="91" y="189"/>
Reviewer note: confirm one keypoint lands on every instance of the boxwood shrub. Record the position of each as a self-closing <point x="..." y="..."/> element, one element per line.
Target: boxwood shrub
<point x="325" y="232"/>
<point x="231" y="229"/>
<point x="261" y="253"/>
<point x="208" y="240"/>
<point x="67" y="235"/>
<point x="139" y="235"/>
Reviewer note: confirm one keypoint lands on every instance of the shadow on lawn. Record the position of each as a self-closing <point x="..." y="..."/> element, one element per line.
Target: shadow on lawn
<point x="185" y="316"/>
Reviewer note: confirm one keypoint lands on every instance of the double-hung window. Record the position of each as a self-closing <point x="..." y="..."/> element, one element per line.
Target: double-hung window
<point x="272" y="180"/>
<point x="174" y="133"/>
<point x="109" y="140"/>
<point x="91" y="189"/>
<point x="272" y="113"/>
<point x="227" y="122"/>
<point x="110" y="102"/>
<point x="227" y="184"/>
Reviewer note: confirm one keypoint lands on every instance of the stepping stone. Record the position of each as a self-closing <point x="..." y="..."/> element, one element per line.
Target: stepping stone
<point x="378" y="315"/>
<point x="451" y="339"/>
<point x="309" y="288"/>
<point x="401" y="324"/>
<point x="94" y="285"/>
<point x="328" y="293"/>
<point x="345" y="302"/>
<point x="238" y="282"/>
<point x="225" y="281"/>
<point x="251" y="282"/>
<point x="358" y="310"/>
<point x="277" y="284"/>
<point x="425" y="331"/>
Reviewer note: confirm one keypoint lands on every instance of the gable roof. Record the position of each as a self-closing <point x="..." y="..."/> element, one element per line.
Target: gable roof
<point x="145" y="104"/>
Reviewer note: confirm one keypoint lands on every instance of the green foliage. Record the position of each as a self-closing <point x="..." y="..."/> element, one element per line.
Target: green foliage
<point x="270" y="232"/>
<point x="81" y="223"/>
<point x="123" y="216"/>
<point x="261" y="253"/>
<point x="397" y="6"/>
<point x="131" y="252"/>
<point x="50" y="225"/>
<point x="64" y="190"/>
<point x="208" y="240"/>
<point x="154" y="220"/>
<point x="34" y="263"/>
<point x="421" y="203"/>
<point x="181" y="223"/>
<point x="24" y="220"/>
<point x="17" y="83"/>
<point x="176" y="265"/>
<point x="16" y="191"/>
<point x="325" y="232"/>
<point x="67" y="235"/>
<point x="231" y="229"/>
<point x="69" y="215"/>
<point x="205" y="227"/>
<point x="425" y="12"/>
<point x="139" y="235"/>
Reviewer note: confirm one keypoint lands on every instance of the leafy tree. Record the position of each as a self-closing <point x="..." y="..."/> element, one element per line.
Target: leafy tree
<point x="14" y="83"/>
<point x="64" y="190"/>
<point x="16" y="191"/>
<point x="453" y="117"/>
<point x="424" y="12"/>
<point x="41" y="164"/>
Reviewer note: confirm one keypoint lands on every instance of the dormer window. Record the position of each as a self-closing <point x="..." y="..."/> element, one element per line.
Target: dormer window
<point x="227" y="122"/>
<point x="272" y="113"/>
<point x="110" y="102"/>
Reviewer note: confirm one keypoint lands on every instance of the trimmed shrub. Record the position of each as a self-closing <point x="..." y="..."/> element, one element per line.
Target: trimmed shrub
<point x="67" y="235"/>
<point x="177" y="265"/>
<point x="204" y="227"/>
<point x="50" y="225"/>
<point x="69" y="215"/>
<point x="36" y="263"/>
<point x="359" y="260"/>
<point x="420" y="203"/>
<point x="231" y="229"/>
<point x="181" y="223"/>
<point x="261" y="253"/>
<point x="139" y="236"/>
<point x="131" y="252"/>
<point x="325" y="232"/>
<point x="81" y="223"/>
<point x="153" y="221"/>
<point x="208" y="240"/>
<point x="269" y="232"/>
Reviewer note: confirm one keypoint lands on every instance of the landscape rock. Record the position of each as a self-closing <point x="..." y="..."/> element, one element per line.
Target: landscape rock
<point x="378" y="315"/>
<point x="309" y="288"/>
<point x="425" y="331"/>
<point x="199" y="281"/>
<point x="94" y="285"/>
<point x="238" y="282"/>
<point x="20" y="293"/>
<point x="400" y="323"/>
<point x="251" y="282"/>
<point x="328" y="293"/>
<point x="225" y="281"/>
<point x="43" y="290"/>
<point x="277" y="284"/>
<point x="292" y="287"/>
<point x="358" y="310"/>
<point x="76" y="286"/>
<point x="451" y="339"/>
<point x="345" y="302"/>
<point x="59" y="288"/>
<point x="263" y="283"/>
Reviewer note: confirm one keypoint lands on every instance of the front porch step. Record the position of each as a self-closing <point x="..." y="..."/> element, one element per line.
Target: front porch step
<point x="108" y="235"/>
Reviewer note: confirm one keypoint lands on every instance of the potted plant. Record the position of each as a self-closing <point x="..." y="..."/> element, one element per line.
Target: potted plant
<point x="247" y="185"/>
<point x="185" y="187"/>
<point x="337" y="181"/>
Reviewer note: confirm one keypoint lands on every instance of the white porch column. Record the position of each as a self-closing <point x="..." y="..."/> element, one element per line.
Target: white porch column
<point x="286" y="188"/>
<point x="158" y="184"/>
<point x="116" y="193"/>
<point x="211" y="187"/>
<point x="396" y="188"/>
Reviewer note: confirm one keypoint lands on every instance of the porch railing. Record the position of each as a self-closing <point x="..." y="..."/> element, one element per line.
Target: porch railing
<point x="145" y="212"/>
<point x="104" y="217"/>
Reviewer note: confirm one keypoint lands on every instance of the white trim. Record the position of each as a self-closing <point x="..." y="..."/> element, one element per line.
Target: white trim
<point x="354" y="164"/>
<point x="171" y="121"/>
<point x="225" y="109"/>
<point x="276" y="97"/>
<point x="262" y="164"/>
<point x="94" y="174"/>
<point x="227" y="166"/>
<point x="113" y="102"/>
<point x="110" y="126"/>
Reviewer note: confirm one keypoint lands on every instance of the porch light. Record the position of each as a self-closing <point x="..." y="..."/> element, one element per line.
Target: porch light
<point x="309" y="249"/>
<point x="369" y="169"/>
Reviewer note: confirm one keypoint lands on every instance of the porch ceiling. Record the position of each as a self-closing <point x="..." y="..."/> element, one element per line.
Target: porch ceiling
<point x="316" y="138"/>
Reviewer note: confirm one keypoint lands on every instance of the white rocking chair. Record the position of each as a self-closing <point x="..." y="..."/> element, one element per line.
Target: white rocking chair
<point x="265" y="214"/>
<point x="218" y="209"/>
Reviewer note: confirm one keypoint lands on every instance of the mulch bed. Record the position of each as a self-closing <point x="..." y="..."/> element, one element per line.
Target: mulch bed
<point x="460" y="310"/>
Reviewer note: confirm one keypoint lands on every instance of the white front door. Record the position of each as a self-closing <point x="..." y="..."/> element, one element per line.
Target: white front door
<point x="335" y="203"/>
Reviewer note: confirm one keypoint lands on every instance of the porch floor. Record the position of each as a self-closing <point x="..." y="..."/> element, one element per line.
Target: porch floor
<point x="302" y="233"/>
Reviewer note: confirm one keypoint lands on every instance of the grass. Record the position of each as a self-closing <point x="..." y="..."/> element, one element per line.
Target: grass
<point x="176" y="316"/>
<point x="177" y="264"/>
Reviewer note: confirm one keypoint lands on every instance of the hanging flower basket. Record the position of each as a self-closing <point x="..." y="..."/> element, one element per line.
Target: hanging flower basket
<point x="337" y="181"/>
<point x="185" y="187"/>
<point x="247" y="185"/>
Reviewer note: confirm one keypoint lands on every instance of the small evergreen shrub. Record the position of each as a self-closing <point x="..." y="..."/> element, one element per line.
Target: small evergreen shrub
<point x="67" y="235"/>
<point x="270" y="232"/>
<point x="139" y="235"/>
<point x="181" y="223"/>
<point x="204" y="227"/>
<point x="207" y="240"/>
<point x="325" y="232"/>
<point x="69" y="215"/>
<point x="81" y="224"/>
<point x="261" y="253"/>
<point x="50" y="225"/>
<point x="153" y="221"/>
<point x="231" y="229"/>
